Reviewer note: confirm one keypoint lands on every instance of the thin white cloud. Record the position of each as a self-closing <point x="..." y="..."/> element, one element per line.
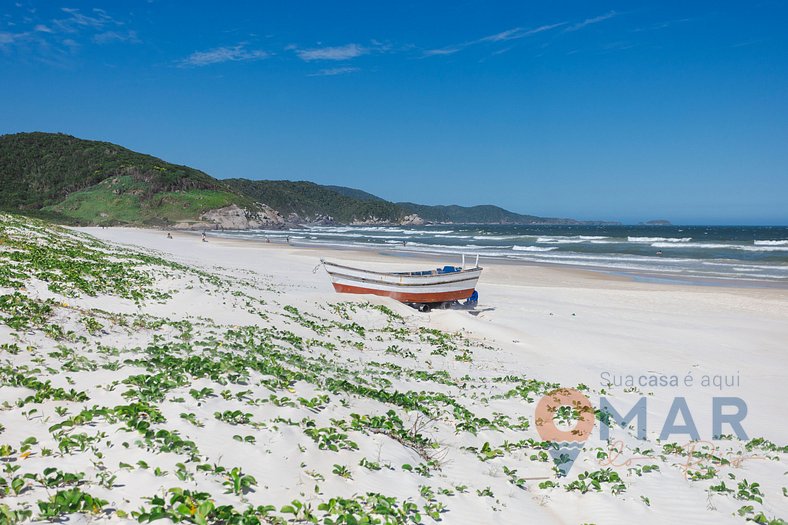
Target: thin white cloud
<point x="8" y="38"/>
<point x="509" y="34"/>
<point x="76" y="21"/>
<point x="219" y="55"/>
<point x="591" y="21"/>
<point x="546" y="27"/>
<point x="442" y="51"/>
<point x="345" y="52"/>
<point x="108" y="37"/>
<point x="334" y="71"/>
<point x="55" y="41"/>
<point x="515" y="33"/>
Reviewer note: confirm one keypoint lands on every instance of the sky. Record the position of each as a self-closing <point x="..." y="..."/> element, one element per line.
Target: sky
<point x="624" y="111"/>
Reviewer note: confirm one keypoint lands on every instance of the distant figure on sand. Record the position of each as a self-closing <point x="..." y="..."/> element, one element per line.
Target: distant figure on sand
<point x="203" y="237"/>
<point x="169" y="235"/>
<point x="288" y="239"/>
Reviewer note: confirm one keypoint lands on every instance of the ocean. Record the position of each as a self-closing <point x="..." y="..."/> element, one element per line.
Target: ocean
<point x="668" y="253"/>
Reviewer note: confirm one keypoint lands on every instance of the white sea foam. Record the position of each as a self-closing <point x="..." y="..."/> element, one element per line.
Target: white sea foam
<point x="716" y="246"/>
<point x="659" y="239"/>
<point x="764" y="248"/>
<point x="495" y="238"/>
<point x="572" y="239"/>
<point x="770" y="243"/>
<point x="554" y="240"/>
<point x="534" y="248"/>
<point x="605" y="259"/>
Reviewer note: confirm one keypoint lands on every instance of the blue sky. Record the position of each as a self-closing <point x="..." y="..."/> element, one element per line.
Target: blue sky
<point x="593" y="110"/>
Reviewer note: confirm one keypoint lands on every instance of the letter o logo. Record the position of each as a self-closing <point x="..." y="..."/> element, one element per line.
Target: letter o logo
<point x="551" y="402"/>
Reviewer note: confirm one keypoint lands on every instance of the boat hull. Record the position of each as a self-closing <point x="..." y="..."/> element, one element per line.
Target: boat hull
<point x="416" y="287"/>
<point x="408" y="297"/>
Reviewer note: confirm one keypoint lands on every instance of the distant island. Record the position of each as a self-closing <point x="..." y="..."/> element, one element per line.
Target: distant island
<point x="86" y="182"/>
<point x="657" y="222"/>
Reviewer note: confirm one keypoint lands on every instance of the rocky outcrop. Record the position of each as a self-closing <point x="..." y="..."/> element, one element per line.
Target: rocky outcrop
<point x="369" y="221"/>
<point x="327" y="220"/>
<point x="412" y="220"/>
<point x="293" y="219"/>
<point x="234" y="217"/>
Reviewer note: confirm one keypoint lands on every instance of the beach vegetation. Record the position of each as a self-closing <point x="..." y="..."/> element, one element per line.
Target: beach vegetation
<point x="70" y="501"/>
<point x="595" y="480"/>
<point x="263" y="381"/>
<point x="239" y="483"/>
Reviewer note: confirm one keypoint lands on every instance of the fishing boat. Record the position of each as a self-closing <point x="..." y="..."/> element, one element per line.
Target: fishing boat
<point x="428" y="287"/>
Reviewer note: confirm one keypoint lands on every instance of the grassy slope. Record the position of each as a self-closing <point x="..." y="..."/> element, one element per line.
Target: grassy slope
<point x="63" y="177"/>
<point x="309" y="200"/>
<point x="118" y="200"/>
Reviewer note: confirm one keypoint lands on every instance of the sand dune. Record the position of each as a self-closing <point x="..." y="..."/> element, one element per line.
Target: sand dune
<point x="251" y="362"/>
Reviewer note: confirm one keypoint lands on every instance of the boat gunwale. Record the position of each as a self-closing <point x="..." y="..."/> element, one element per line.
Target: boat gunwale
<point x="365" y="280"/>
<point x="476" y="269"/>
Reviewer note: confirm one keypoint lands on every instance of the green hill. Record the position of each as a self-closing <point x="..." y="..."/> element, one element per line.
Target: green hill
<point x="91" y="182"/>
<point x="98" y="182"/>
<point x="354" y="193"/>
<point x="485" y="214"/>
<point x="310" y="201"/>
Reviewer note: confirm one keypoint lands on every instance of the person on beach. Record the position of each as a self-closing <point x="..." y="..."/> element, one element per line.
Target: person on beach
<point x="288" y="239"/>
<point x="204" y="239"/>
<point x="169" y="235"/>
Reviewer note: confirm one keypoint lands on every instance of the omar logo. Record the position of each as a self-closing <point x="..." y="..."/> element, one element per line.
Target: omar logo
<point x="565" y="406"/>
<point x="566" y="418"/>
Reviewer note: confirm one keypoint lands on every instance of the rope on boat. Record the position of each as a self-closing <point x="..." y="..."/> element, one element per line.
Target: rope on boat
<point x="316" y="268"/>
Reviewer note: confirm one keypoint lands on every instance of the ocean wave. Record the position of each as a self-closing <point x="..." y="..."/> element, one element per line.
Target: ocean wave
<point x="770" y="243"/>
<point x="534" y="248"/>
<point x="554" y="240"/>
<point x="574" y="239"/>
<point x="495" y="237"/>
<point x="659" y="239"/>
<point x="715" y="246"/>
<point x="625" y="264"/>
<point x="604" y="259"/>
<point x="383" y="229"/>
<point x="764" y="248"/>
<point x="469" y="248"/>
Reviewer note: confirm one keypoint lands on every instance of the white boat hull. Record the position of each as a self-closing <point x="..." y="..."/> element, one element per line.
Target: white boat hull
<point x="415" y="287"/>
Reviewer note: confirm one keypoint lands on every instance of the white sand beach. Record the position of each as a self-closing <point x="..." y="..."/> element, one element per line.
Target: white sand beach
<point x="567" y="326"/>
<point x="562" y="324"/>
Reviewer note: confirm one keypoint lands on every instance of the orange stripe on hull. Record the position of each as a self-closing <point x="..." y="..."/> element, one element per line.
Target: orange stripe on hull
<point x="407" y="297"/>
